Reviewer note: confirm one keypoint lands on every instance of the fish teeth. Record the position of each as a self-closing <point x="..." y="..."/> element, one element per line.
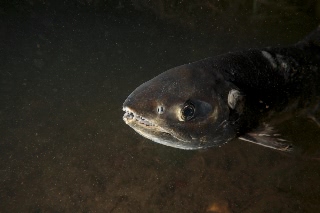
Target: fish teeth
<point x="130" y="116"/>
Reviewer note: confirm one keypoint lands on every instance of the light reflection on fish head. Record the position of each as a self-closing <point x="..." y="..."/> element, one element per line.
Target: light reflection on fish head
<point x="185" y="107"/>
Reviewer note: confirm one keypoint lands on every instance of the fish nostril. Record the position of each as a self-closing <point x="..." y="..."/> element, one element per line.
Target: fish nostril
<point x="160" y="110"/>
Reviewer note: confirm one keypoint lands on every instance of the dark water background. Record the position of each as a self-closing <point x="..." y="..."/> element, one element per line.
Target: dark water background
<point x="64" y="147"/>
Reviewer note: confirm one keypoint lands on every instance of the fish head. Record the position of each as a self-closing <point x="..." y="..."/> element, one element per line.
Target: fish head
<point x="185" y="107"/>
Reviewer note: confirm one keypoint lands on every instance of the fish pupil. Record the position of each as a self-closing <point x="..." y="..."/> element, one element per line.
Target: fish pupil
<point x="188" y="112"/>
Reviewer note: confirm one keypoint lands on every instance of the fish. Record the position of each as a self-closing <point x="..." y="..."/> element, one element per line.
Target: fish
<point x="241" y="94"/>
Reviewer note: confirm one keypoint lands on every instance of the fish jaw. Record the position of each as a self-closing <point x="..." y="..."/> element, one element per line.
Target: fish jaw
<point x="150" y="130"/>
<point x="155" y="132"/>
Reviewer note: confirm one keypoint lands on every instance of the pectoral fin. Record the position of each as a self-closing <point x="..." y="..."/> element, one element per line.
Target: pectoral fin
<point x="314" y="114"/>
<point x="316" y="120"/>
<point x="267" y="137"/>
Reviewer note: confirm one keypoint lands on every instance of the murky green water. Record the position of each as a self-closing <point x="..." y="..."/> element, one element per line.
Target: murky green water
<point x="65" y="148"/>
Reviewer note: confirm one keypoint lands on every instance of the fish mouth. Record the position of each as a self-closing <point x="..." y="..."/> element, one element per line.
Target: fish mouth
<point x="144" y="126"/>
<point x="152" y="131"/>
<point x="132" y="118"/>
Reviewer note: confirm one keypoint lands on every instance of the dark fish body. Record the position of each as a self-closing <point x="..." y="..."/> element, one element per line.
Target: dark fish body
<point x="211" y="101"/>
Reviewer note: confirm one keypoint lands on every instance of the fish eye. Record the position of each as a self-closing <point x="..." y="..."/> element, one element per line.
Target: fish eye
<point x="188" y="111"/>
<point x="160" y="109"/>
